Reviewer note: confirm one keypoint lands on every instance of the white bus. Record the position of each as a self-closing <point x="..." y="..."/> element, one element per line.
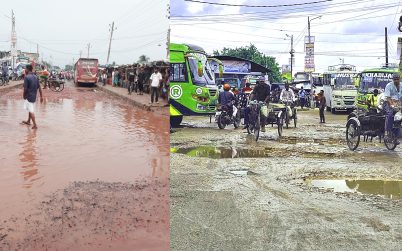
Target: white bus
<point x="340" y="87"/>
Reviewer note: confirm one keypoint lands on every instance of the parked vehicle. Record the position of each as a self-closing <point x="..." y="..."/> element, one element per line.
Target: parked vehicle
<point x="85" y="71"/>
<point x="193" y="91"/>
<point x="339" y="87"/>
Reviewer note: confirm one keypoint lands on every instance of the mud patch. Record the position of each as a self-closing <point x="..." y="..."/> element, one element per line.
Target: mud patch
<point x="300" y="140"/>
<point x="94" y="216"/>
<point x="391" y="189"/>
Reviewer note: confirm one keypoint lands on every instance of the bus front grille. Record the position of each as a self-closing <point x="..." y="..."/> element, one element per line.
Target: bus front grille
<point x="212" y="92"/>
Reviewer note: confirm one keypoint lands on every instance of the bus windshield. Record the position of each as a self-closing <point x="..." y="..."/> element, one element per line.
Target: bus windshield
<point x="344" y="81"/>
<point x="374" y="80"/>
<point x="207" y="77"/>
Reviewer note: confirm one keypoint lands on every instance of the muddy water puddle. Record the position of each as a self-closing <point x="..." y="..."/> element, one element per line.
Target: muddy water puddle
<point x="233" y="152"/>
<point x="386" y="188"/>
<point x="83" y="135"/>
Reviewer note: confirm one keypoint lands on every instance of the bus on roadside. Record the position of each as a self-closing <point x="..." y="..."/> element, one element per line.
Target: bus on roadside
<point x="340" y="87"/>
<point x="193" y="91"/>
<point x="371" y="79"/>
<point x="85" y="71"/>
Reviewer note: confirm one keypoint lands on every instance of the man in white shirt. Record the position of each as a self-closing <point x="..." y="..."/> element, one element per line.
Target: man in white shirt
<point x="287" y="95"/>
<point x="155" y="80"/>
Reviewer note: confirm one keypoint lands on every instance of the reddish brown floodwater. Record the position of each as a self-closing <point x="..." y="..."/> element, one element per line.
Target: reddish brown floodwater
<point x="83" y="135"/>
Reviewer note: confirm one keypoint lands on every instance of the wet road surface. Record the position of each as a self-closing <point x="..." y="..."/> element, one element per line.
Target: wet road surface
<point x="303" y="191"/>
<point x="84" y="135"/>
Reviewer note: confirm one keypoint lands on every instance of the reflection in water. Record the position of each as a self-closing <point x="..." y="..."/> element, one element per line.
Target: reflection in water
<point x="388" y="188"/>
<point x="29" y="160"/>
<point x="222" y="152"/>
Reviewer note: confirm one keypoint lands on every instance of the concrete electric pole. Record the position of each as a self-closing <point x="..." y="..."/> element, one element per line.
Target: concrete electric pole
<point x="292" y="53"/>
<point x="112" y="28"/>
<point x="13" y="39"/>
<point x="88" y="46"/>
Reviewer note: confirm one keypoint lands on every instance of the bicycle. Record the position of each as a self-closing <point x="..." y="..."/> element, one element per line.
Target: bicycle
<point x="254" y="118"/>
<point x="290" y="113"/>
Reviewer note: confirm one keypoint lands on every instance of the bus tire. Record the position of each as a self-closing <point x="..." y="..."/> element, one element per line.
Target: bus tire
<point x="333" y="111"/>
<point x="328" y="109"/>
<point x="175" y="121"/>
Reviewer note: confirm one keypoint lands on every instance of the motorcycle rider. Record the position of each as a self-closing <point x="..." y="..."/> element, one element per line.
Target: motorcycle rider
<point x="261" y="92"/>
<point x="227" y="99"/>
<point x="392" y="96"/>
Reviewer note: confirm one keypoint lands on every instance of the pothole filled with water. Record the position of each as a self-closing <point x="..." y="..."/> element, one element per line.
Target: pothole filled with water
<point x="233" y="152"/>
<point x="391" y="189"/>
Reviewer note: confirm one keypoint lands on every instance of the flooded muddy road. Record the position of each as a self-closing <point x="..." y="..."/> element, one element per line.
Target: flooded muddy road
<point x="303" y="191"/>
<point x="93" y="176"/>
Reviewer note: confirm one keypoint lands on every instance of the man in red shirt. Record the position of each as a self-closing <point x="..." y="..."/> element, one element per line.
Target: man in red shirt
<point x="247" y="88"/>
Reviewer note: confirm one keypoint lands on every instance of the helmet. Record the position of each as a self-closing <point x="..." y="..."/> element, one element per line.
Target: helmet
<point x="226" y="87"/>
<point x="260" y="79"/>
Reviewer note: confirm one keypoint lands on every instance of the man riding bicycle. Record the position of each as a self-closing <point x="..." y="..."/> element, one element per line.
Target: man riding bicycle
<point x="287" y="95"/>
<point x="261" y="93"/>
<point x="227" y="99"/>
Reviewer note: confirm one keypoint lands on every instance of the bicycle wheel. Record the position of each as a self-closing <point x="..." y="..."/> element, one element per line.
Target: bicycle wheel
<point x="390" y="142"/>
<point x="257" y="128"/>
<point x="353" y="134"/>
<point x="287" y="118"/>
<point x="295" y="118"/>
<point x="280" y="126"/>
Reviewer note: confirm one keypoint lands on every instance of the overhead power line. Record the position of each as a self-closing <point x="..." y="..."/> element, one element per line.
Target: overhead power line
<point x="258" y="6"/>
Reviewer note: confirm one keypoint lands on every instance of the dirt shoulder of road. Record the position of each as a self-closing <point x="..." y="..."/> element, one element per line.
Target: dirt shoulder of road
<point x="94" y="215"/>
<point x="141" y="101"/>
<point x="11" y="85"/>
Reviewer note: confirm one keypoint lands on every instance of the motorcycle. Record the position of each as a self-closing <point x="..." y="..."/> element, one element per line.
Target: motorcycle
<point x="224" y="117"/>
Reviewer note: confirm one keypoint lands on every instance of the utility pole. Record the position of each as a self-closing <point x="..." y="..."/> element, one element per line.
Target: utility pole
<point x="88" y="46"/>
<point x="80" y="54"/>
<point x="386" y="47"/>
<point x="292" y="52"/>
<point x="112" y="28"/>
<point x="13" y="39"/>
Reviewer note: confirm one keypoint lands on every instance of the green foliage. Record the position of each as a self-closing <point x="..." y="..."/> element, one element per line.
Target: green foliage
<point x="143" y="59"/>
<point x="68" y="68"/>
<point x="252" y="53"/>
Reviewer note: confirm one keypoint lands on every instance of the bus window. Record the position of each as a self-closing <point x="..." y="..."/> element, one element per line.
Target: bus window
<point x="178" y="72"/>
<point x="205" y="79"/>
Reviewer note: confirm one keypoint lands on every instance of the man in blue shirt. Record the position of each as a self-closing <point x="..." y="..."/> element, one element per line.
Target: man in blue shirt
<point x="392" y="95"/>
<point x="31" y="87"/>
<point x="227" y="98"/>
<point x="4" y="72"/>
<point x="302" y="97"/>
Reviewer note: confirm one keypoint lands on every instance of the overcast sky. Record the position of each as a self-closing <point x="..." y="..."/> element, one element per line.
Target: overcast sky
<point x="64" y="28"/>
<point x="348" y="29"/>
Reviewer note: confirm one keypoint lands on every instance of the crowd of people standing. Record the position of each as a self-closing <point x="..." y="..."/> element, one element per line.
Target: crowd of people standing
<point x="139" y="79"/>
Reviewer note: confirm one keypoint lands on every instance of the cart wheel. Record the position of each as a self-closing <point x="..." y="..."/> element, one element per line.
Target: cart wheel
<point x="390" y="142"/>
<point x="352" y="134"/>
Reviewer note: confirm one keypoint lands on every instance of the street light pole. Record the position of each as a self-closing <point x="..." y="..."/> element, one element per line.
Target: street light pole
<point x="292" y="52"/>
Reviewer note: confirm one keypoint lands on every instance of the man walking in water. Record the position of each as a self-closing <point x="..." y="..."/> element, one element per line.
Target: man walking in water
<point x="31" y="86"/>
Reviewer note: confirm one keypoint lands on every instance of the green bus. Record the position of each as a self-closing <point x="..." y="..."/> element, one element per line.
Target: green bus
<point x="371" y="79"/>
<point x="193" y="91"/>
